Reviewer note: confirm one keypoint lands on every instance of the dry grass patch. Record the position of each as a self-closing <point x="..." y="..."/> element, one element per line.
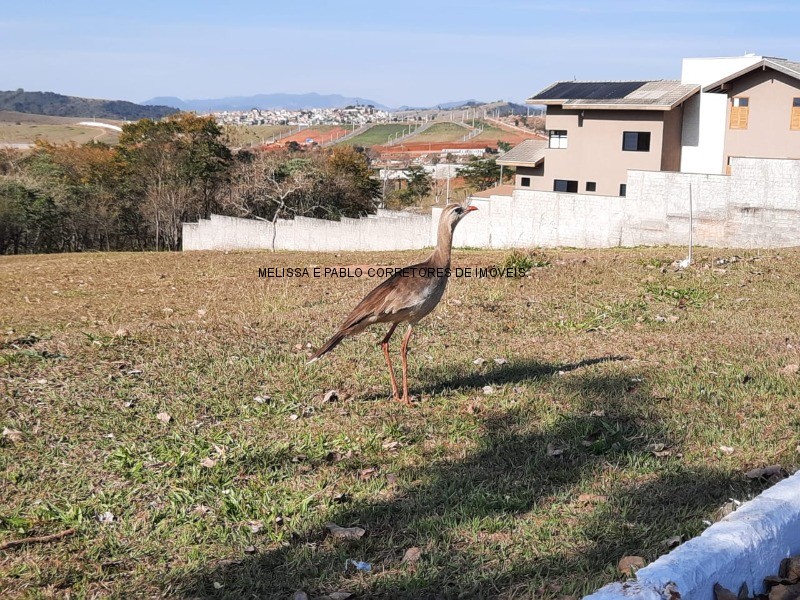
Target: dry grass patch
<point x="160" y="404"/>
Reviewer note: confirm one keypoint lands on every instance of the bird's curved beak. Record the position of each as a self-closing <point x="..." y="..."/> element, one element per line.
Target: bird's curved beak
<point x="471" y="208"/>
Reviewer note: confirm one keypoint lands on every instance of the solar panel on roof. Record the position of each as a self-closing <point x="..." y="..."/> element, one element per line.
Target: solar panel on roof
<point x="585" y="90"/>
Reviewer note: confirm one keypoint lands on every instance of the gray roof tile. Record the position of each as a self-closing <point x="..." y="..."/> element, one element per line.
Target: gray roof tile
<point x="659" y="95"/>
<point x="527" y="153"/>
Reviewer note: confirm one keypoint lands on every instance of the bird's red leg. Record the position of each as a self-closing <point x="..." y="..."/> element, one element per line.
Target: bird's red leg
<point x="404" y="359"/>
<point x="385" y="347"/>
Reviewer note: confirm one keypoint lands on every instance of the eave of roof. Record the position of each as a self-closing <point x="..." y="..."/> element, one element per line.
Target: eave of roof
<point x="786" y="67"/>
<point x="529" y="153"/>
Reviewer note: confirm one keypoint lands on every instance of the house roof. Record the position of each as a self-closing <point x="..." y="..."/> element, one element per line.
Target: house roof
<point x="788" y="67"/>
<point x="526" y="154"/>
<point x="663" y="94"/>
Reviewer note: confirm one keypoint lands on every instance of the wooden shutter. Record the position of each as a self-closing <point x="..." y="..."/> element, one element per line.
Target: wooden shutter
<point x="795" y="122"/>
<point x="739" y="116"/>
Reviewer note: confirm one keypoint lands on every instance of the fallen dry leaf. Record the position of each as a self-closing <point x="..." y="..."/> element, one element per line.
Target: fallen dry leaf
<point x="345" y="533"/>
<point x="331" y="396"/>
<point x="299" y="595"/>
<point x="201" y="510"/>
<point x="12" y="435"/>
<point x="208" y="462"/>
<point x="255" y="526"/>
<point x="106" y="517"/>
<point x="553" y="451"/>
<point x="164" y="417"/>
<point x="673" y="541"/>
<point x="628" y="565"/>
<point x="412" y="555"/>
<point x="790" y="369"/>
<point x="591" y="498"/>
<point x="338" y="596"/>
<point x="365" y="474"/>
<point x="726" y="449"/>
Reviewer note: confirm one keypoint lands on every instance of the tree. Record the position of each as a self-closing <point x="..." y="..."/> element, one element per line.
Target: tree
<point x="270" y="185"/>
<point x="353" y="190"/>
<point x="481" y="174"/>
<point x="503" y="146"/>
<point x="172" y="168"/>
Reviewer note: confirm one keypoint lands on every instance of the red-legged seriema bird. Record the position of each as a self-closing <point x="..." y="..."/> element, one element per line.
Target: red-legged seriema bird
<point x="407" y="296"/>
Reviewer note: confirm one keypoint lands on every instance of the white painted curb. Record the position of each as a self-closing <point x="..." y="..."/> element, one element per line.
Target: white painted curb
<point x="743" y="547"/>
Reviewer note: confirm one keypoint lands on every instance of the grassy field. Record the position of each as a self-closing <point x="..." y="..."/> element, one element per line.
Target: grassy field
<point x="375" y="135"/>
<point x="492" y="133"/>
<point x="442" y="132"/>
<point x="160" y="406"/>
<point x="23" y="128"/>
<point x="245" y="135"/>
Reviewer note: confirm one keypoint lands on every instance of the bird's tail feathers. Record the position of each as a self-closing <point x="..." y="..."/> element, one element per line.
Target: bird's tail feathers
<point x="328" y="346"/>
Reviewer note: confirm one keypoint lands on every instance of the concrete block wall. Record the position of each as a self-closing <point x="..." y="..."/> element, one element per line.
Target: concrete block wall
<point x="758" y="205"/>
<point x="387" y="230"/>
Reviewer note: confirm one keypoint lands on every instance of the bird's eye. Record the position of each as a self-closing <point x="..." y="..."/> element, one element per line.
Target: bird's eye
<point x="459" y="210"/>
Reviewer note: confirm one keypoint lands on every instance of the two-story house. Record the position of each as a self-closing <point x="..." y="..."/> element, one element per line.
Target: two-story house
<point x="742" y="106"/>
<point x="598" y="130"/>
<point x="762" y="115"/>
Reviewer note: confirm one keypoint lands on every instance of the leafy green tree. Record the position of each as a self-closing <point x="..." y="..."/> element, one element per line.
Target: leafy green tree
<point x="481" y="174"/>
<point x="172" y="170"/>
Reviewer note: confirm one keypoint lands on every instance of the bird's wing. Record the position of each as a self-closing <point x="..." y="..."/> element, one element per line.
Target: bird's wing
<point x="398" y="293"/>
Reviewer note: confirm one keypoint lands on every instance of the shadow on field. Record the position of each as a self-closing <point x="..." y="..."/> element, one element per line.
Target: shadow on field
<point x="473" y="518"/>
<point x="511" y="372"/>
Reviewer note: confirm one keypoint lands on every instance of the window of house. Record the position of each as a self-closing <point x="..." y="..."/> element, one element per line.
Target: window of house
<point x="740" y="111"/>
<point x="591" y="186"/>
<point x="525" y="182"/>
<point x="565" y="185"/>
<point x="636" y="141"/>
<point x="795" y="122"/>
<point x="623" y="189"/>
<point x="558" y="138"/>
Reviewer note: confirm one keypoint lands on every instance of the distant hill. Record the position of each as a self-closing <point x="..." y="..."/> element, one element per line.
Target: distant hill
<point x="265" y="101"/>
<point x="57" y="105"/>
<point x="498" y="107"/>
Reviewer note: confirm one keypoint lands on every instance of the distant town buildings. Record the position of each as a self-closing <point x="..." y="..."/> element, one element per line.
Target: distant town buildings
<point x="351" y="115"/>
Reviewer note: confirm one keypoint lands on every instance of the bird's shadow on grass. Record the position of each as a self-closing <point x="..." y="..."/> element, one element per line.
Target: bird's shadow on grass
<point x="485" y="523"/>
<point x="513" y="372"/>
<point x="507" y="373"/>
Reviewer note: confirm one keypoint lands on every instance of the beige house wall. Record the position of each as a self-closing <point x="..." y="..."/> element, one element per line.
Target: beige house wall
<point x="594" y="147"/>
<point x="671" y="148"/>
<point x="530" y="172"/>
<point x="768" y="135"/>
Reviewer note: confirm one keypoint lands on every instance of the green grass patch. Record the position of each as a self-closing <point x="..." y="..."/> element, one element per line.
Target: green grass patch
<point x="377" y="135"/>
<point x="561" y="420"/>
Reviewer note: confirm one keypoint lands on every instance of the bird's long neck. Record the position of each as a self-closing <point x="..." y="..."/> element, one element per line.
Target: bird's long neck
<point x="444" y="243"/>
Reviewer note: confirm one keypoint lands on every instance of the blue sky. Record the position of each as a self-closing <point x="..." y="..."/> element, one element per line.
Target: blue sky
<point x="412" y="52"/>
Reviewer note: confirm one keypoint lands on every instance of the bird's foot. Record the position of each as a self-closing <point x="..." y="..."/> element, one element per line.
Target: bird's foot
<point x="406" y="400"/>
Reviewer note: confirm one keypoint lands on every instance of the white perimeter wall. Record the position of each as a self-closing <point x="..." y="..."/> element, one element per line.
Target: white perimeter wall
<point x="387" y="230"/>
<point x="758" y="206"/>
